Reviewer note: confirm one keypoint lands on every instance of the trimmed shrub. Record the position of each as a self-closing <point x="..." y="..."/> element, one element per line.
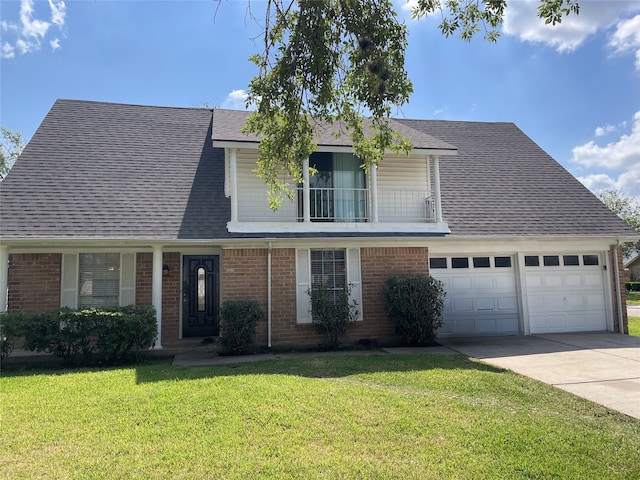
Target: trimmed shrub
<point x="415" y="303"/>
<point x="123" y="331"/>
<point x="114" y="333"/>
<point x="10" y="329"/>
<point x="632" y="286"/>
<point x="238" y="319"/>
<point x="65" y="333"/>
<point x="332" y="313"/>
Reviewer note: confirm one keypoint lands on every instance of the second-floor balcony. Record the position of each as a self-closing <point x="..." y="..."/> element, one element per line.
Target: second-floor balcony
<point x="403" y="197"/>
<point x="354" y="205"/>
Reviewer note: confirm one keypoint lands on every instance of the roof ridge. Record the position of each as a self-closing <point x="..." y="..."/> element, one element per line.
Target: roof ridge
<point x="123" y="104"/>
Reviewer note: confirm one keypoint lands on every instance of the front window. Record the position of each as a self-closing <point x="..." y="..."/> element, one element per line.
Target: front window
<point x="328" y="267"/>
<point x="337" y="191"/>
<point x="99" y="279"/>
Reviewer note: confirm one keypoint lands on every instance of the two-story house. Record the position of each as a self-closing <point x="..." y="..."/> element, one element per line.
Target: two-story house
<point x="120" y="204"/>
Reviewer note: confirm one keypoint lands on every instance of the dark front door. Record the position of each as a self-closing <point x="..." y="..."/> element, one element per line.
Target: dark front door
<point x="200" y="295"/>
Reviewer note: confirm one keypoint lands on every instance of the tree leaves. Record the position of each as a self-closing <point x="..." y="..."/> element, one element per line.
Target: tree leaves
<point x="325" y="64"/>
<point x="333" y="62"/>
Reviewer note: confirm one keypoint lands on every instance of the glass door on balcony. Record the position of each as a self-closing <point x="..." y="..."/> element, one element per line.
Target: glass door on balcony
<point x="337" y="191"/>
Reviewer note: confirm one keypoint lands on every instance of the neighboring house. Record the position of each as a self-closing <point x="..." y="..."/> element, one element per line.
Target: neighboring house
<point x="633" y="266"/>
<point x="120" y="204"/>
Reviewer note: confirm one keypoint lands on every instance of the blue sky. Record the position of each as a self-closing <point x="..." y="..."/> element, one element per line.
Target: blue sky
<point x="573" y="88"/>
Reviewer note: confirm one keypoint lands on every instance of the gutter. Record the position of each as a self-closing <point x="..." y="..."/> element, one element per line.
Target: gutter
<point x="269" y="294"/>
<point x="618" y="292"/>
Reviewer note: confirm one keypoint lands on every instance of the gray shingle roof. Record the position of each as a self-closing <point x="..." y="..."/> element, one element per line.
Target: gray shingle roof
<point x="227" y="126"/>
<point x="502" y="183"/>
<point x="98" y="170"/>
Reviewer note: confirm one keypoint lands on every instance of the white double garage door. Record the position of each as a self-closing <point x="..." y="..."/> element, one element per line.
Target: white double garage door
<point x="508" y="295"/>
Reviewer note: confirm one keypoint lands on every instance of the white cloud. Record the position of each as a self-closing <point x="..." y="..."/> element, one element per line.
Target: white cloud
<point x="599" y="181"/>
<point x="7" y="51"/>
<point x="31" y="27"/>
<point x="521" y="20"/>
<point x="602" y="131"/>
<point x="626" y="38"/>
<point x="236" y="100"/>
<point x="8" y="26"/>
<point x="58" y="12"/>
<point x="31" y="30"/>
<point x="622" y="155"/>
<point x="619" y="154"/>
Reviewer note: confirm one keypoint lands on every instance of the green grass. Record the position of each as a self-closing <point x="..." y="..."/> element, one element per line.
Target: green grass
<point x="364" y="417"/>
<point x="634" y="326"/>
<point x="633" y="298"/>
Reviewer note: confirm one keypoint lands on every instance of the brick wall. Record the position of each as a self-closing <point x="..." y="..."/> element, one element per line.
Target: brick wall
<point x="379" y="263"/>
<point x="244" y="277"/>
<point x="171" y="298"/>
<point x="34" y="282"/>
<point x="144" y="266"/>
<point x="170" y="291"/>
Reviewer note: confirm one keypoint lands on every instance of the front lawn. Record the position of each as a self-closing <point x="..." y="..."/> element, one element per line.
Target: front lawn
<point x="376" y="417"/>
<point x="633" y="298"/>
<point x="634" y="326"/>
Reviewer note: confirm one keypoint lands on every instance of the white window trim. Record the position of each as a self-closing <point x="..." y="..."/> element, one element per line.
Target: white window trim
<point x="303" y="281"/>
<point x="70" y="278"/>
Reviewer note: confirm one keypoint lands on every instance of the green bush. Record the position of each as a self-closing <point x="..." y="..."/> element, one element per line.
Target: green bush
<point x="632" y="286"/>
<point x="123" y="331"/>
<point x="66" y="333"/>
<point x="10" y="329"/>
<point x="114" y="333"/>
<point x="332" y="313"/>
<point x="415" y="303"/>
<point x="238" y="319"/>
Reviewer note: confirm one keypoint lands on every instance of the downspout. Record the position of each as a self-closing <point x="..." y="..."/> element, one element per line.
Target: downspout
<point x="618" y="292"/>
<point x="269" y="295"/>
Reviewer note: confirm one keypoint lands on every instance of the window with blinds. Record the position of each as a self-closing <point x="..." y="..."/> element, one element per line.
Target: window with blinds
<point x="99" y="279"/>
<point x="328" y="267"/>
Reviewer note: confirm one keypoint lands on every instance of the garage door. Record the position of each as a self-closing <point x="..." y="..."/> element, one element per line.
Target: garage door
<point x="480" y="296"/>
<point x="565" y="293"/>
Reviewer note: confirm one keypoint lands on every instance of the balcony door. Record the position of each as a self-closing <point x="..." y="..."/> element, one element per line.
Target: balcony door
<point x="337" y="191"/>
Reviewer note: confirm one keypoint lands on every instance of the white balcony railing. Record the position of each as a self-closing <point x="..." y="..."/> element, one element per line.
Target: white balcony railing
<point x="409" y="206"/>
<point x="335" y="205"/>
<point x="351" y="205"/>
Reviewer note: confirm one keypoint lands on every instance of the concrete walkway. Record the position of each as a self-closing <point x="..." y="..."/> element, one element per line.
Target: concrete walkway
<point x="601" y="367"/>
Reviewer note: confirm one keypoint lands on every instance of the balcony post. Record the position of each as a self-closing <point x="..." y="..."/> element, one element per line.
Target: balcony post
<point x="233" y="180"/>
<point x="306" y="201"/>
<point x="436" y="187"/>
<point x="373" y="178"/>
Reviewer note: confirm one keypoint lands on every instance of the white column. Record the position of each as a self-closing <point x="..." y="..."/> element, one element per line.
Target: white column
<point x="4" y="276"/>
<point x="436" y="188"/>
<point x="156" y="290"/>
<point x="233" y="178"/>
<point x="523" y="299"/>
<point x="306" y="201"/>
<point x="373" y="178"/>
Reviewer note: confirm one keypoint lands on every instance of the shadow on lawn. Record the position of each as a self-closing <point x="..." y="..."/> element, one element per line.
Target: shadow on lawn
<point x="313" y="367"/>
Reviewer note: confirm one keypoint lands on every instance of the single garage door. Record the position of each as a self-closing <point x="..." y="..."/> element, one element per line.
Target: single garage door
<point x="480" y="296"/>
<point x="565" y="293"/>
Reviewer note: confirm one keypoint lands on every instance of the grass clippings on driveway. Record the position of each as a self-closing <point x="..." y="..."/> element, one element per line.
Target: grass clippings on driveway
<point x="364" y="417"/>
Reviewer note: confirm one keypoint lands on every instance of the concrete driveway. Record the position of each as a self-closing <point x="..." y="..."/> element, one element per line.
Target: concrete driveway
<point x="601" y="367"/>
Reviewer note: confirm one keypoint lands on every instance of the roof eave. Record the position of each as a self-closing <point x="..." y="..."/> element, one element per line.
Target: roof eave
<point x="332" y="148"/>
